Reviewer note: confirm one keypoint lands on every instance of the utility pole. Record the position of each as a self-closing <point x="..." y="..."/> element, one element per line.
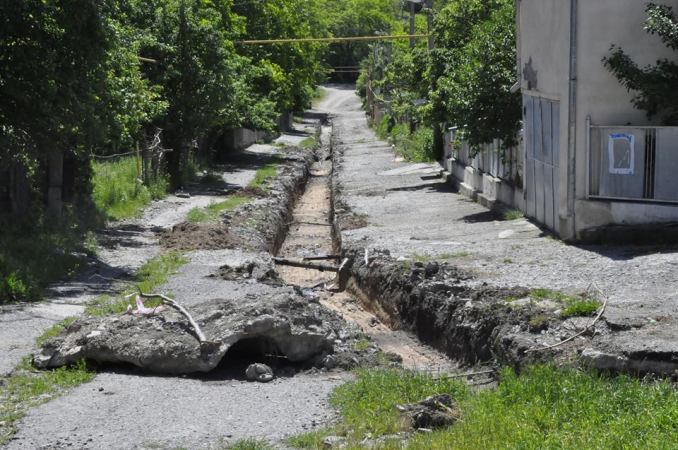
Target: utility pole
<point x="438" y="139"/>
<point x="429" y="21"/>
<point x="412" y="13"/>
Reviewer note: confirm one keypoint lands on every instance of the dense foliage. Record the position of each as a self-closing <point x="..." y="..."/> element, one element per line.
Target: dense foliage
<point x="656" y="86"/>
<point x="464" y="81"/>
<point x="91" y="78"/>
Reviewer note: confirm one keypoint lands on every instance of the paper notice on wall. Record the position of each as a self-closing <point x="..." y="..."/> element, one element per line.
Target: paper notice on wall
<point x="621" y="153"/>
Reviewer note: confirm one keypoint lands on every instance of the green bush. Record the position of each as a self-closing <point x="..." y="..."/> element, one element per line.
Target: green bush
<point x="13" y="289"/>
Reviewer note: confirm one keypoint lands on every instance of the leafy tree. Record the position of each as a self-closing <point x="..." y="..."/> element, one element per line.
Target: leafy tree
<point x="655" y="87"/>
<point x="473" y="69"/>
<point x="295" y="68"/>
<point x="52" y="56"/>
<point x="359" y="18"/>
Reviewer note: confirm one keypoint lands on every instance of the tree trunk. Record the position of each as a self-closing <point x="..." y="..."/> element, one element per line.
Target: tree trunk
<point x="56" y="181"/>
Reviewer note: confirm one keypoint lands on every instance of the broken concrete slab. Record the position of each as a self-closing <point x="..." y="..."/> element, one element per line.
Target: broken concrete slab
<point x="285" y="324"/>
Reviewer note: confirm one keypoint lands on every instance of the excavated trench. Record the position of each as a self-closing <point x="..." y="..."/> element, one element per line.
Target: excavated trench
<point x="313" y="233"/>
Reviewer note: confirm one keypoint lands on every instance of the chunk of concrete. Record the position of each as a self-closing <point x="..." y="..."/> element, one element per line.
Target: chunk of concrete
<point x="165" y="343"/>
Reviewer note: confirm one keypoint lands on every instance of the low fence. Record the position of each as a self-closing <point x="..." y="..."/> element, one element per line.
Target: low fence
<point x="489" y="174"/>
<point x="632" y="163"/>
<point x="490" y="159"/>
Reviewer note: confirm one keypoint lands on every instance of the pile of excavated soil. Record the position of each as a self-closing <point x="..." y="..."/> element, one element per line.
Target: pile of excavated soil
<point x="193" y="236"/>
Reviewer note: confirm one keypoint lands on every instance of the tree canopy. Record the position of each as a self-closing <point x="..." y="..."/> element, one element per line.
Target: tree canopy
<point x="655" y="87"/>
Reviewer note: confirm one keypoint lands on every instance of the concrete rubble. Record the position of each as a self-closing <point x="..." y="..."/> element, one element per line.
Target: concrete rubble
<point x="285" y="325"/>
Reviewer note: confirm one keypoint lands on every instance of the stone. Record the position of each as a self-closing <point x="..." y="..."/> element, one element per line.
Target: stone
<point x="437" y="411"/>
<point x="165" y="343"/>
<point x="259" y="372"/>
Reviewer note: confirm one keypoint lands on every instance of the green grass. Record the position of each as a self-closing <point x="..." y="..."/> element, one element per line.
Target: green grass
<point x="543" y="408"/>
<point x="250" y="444"/>
<point x="27" y="388"/>
<point x="151" y="275"/>
<point x="574" y="305"/>
<point x="55" y="330"/>
<point x="361" y="345"/>
<point x="513" y="214"/>
<point x="580" y="307"/>
<point x="263" y="175"/>
<point x="310" y="143"/>
<point x="117" y="190"/>
<point x="213" y="211"/>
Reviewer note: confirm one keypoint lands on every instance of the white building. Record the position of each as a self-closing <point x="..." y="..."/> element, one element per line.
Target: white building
<point x="591" y="158"/>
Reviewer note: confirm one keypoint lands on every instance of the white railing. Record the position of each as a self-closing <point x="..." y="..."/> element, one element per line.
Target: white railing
<point x="490" y="159"/>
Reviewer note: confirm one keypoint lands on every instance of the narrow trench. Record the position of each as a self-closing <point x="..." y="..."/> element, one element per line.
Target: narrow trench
<point x="310" y="234"/>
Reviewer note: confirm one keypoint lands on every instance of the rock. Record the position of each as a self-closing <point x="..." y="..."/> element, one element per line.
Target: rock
<point x="259" y="372"/>
<point x="436" y="411"/>
<point x="183" y="195"/>
<point x="285" y="322"/>
<point x="334" y="442"/>
<point x="329" y="362"/>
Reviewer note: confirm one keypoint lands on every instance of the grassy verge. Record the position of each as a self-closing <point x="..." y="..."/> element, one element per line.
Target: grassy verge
<point x="117" y="190"/>
<point x="27" y="388"/>
<point x="213" y="211"/>
<point x="151" y="275"/>
<point x="250" y="444"/>
<point x="263" y="175"/>
<point x="544" y="407"/>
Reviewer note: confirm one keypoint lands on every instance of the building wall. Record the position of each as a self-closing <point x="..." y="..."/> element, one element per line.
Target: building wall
<point x="544" y="60"/>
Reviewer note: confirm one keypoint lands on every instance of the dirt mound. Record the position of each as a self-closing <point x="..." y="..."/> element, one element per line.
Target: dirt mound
<point x="263" y="272"/>
<point x="193" y="236"/>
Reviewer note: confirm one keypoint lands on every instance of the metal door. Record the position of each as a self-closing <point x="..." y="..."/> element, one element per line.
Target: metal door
<point x="542" y="147"/>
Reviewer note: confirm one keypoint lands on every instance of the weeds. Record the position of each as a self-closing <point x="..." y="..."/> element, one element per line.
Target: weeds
<point x="213" y="211"/>
<point x="250" y="444"/>
<point x="151" y="275"/>
<point x="574" y="305"/>
<point x="580" y="307"/>
<point x="544" y="407"/>
<point x="513" y="214"/>
<point x="263" y="175"/>
<point x="26" y="389"/>
<point x="310" y="143"/>
<point x="55" y="330"/>
<point x="361" y="345"/>
<point x="119" y="193"/>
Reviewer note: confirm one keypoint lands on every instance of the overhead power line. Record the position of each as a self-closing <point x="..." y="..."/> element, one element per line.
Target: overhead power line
<point x="331" y="39"/>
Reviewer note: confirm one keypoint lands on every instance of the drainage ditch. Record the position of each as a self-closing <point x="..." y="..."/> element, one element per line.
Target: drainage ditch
<point x="313" y="233"/>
